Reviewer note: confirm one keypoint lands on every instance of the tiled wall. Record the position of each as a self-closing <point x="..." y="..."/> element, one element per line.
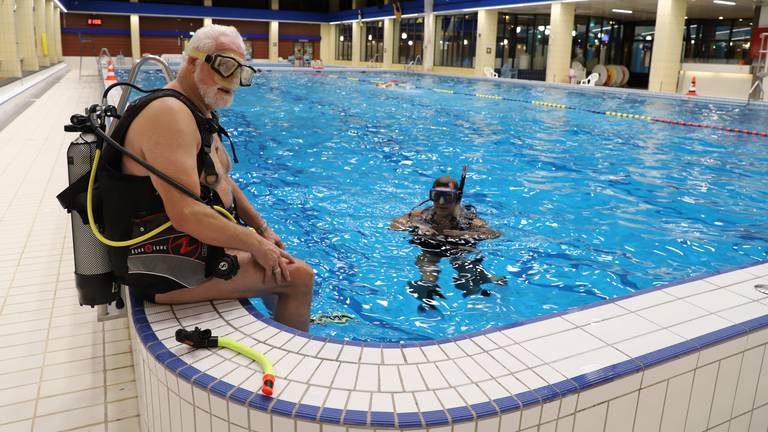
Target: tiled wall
<point x="722" y="388"/>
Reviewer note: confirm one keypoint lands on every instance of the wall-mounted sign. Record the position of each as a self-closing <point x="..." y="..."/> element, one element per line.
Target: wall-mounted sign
<point x="94" y="21"/>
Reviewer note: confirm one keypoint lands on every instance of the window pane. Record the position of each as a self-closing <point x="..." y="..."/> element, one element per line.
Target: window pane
<point x="409" y="40"/>
<point x="344" y="42"/>
<point x="456" y="36"/>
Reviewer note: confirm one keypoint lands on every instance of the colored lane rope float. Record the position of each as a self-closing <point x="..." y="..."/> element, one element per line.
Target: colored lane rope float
<point x="545" y="104"/>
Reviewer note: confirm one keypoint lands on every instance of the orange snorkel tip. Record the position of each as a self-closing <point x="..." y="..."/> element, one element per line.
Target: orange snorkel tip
<point x="268" y="381"/>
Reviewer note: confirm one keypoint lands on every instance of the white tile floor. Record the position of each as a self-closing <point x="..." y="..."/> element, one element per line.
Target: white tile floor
<point x="59" y="368"/>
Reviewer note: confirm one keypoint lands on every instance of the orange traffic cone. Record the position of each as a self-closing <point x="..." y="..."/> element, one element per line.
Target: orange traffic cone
<point x="692" y="87"/>
<point x="110" y="75"/>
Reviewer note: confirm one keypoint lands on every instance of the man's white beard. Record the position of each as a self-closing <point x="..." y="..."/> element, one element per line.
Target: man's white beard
<point x="212" y="97"/>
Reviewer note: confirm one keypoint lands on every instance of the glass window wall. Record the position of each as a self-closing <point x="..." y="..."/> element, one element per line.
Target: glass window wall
<point x="344" y="42"/>
<point x="642" y="47"/>
<point x="409" y="40"/>
<point x="718" y="41"/>
<point x="522" y="42"/>
<point x="455" y="40"/>
<point x="373" y="41"/>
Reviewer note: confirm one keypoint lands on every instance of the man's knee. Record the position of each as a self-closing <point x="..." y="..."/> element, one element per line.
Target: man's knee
<point x="302" y="278"/>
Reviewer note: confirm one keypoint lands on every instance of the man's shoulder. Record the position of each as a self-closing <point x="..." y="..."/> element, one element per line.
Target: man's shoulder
<point x="168" y="113"/>
<point x="168" y="105"/>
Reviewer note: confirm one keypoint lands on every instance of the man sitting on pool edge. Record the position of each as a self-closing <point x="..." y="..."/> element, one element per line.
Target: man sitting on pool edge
<point x="447" y="230"/>
<point x="176" y="131"/>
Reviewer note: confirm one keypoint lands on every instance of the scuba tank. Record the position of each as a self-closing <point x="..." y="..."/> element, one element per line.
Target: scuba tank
<point x="94" y="280"/>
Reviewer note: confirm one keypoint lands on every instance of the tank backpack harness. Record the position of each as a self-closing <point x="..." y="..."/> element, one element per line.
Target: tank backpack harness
<point x="143" y="248"/>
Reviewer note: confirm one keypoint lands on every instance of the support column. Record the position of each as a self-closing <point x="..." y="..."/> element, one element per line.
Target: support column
<point x="10" y="66"/>
<point x="274" y="38"/>
<point x="49" y="31"/>
<point x="57" y="32"/>
<point x="485" y="51"/>
<point x="667" y="45"/>
<point x="207" y="21"/>
<point x="327" y="43"/>
<point x="357" y="35"/>
<point x="274" y="34"/>
<point x="389" y="40"/>
<point x="357" y="46"/>
<point x="135" y="37"/>
<point x="25" y="35"/>
<point x="429" y="36"/>
<point x="560" y="42"/>
<point x="43" y="59"/>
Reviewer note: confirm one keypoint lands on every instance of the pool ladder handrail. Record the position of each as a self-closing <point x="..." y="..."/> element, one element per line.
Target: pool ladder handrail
<point x="760" y="71"/>
<point x="132" y="75"/>
<point x="167" y="72"/>
<point x="103" y="53"/>
<point x="372" y="61"/>
<point x="412" y="63"/>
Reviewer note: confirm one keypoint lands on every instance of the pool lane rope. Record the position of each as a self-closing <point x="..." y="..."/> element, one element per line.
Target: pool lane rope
<point x="563" y="106"/>
<point x="198" y="338"/>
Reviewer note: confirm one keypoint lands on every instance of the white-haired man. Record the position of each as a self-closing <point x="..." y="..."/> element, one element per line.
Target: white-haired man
<point x="204" y="256"/>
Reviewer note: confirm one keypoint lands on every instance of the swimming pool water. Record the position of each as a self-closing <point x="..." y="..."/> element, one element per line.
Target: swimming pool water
<point x="591" y="207"/>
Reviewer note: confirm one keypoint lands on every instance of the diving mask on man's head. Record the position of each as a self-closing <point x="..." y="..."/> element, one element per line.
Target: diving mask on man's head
<point x="445" y="189"/>
<point x="226" y="66"/>
<point x="444" y="195"/>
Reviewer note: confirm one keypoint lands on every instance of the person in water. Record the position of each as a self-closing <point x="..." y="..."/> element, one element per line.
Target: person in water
<point x="447" y="230"/>
<point x="206" y="257"/>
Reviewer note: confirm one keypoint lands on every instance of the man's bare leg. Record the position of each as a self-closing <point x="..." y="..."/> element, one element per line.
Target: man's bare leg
<point x="294" y="297"/>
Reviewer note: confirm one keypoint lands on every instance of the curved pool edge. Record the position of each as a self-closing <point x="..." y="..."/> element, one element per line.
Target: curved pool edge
<point x="575" y="366"/>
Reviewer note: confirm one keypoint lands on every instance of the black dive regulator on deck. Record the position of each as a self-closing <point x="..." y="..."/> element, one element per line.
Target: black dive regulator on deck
<point x="95" y="282"/>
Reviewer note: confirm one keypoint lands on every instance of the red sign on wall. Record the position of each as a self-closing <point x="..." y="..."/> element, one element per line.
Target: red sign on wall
<point x="754" y="45"/>
<point x="94" y="21"/>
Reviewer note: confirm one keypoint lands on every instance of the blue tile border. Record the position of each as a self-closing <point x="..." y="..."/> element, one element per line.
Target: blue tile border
<point x="431" y="418"/>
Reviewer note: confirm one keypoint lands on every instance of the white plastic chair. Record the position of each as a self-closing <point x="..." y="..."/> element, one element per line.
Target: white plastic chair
<point x="489" y="73"/>
<point x="591" y="80"/>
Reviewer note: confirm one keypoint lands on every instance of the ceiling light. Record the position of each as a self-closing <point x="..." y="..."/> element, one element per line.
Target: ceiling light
<point x="624" y="11"/>
<point x="719" y="18"/>
<point x="724" y="2"/>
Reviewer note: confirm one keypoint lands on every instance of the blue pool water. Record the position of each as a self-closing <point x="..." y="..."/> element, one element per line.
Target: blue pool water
<point x="591" y="207"/>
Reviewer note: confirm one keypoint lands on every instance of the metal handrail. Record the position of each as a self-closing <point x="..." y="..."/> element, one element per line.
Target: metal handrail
<point x="413" y="63"/>
<point x="103" y="53"/>
<point x="372" y="61"/>
<point x="167" y="71"/>
<point x="760" y="70"/>
<point x="135" y="72"/>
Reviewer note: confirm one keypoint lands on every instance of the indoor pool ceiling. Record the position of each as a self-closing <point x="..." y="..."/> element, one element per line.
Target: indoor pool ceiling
<point x="646" y="9"/>
<point x="642" y="9"/>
